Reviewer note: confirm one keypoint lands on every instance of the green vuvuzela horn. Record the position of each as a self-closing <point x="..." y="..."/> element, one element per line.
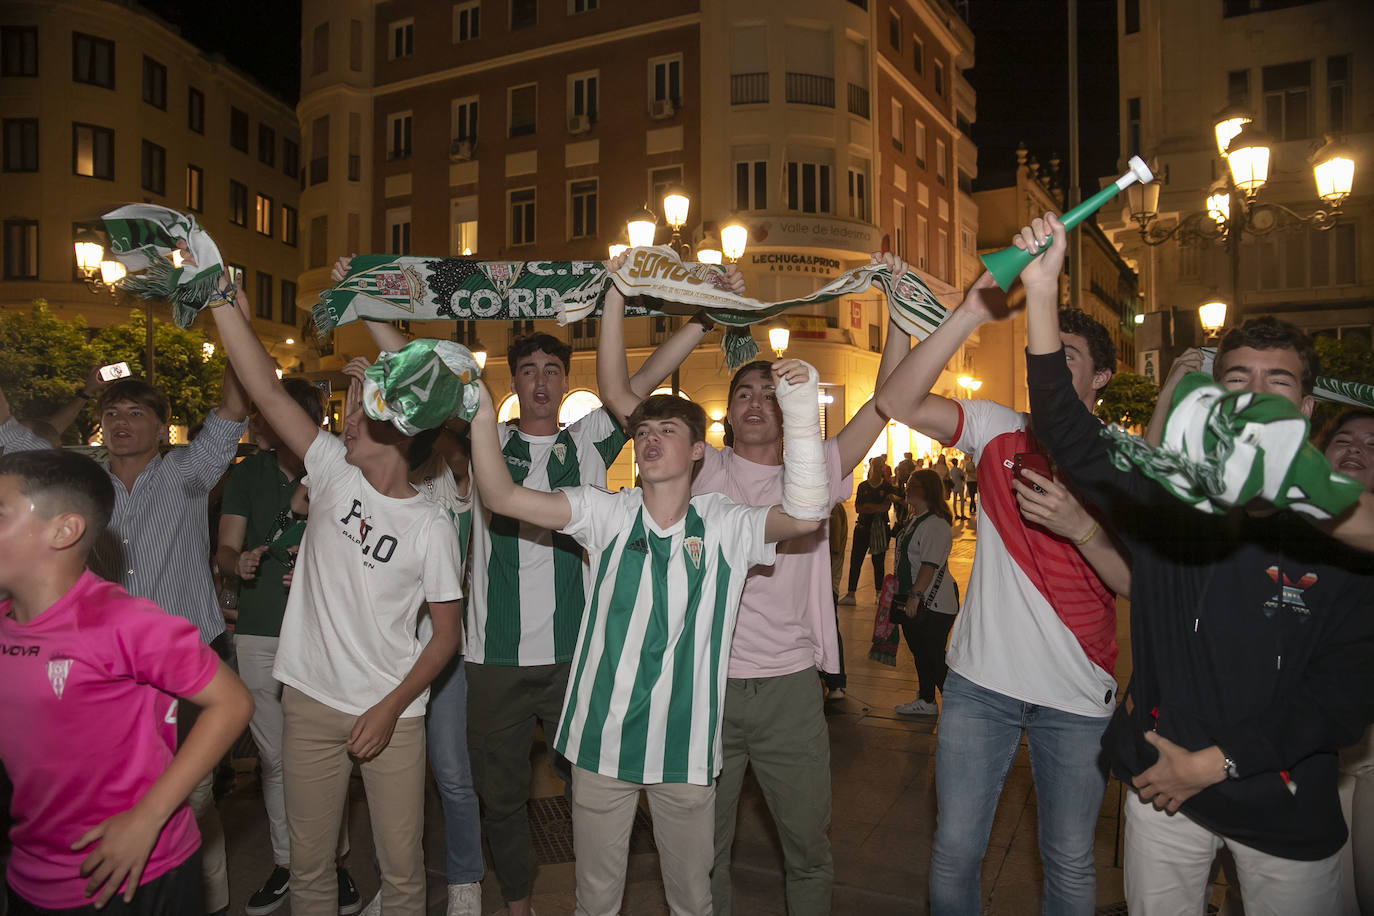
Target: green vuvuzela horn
<point x="1007" y="264"/>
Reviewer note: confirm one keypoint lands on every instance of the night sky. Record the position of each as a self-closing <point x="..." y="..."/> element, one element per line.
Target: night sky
<point x="1021" y="74"/>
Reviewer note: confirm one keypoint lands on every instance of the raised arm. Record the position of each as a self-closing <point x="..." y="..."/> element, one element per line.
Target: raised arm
<point x="1189" y="360"/>
<point x="675" y="349"/>
<point x="805" y="481"/>
<point x="499" y="493"/>
<point x="905" y="395"/>
<point x="385" y="335"/>
<point x="257" y="373"/>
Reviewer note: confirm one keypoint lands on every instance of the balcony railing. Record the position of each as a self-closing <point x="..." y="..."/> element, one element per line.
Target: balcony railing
<point x="319" y="170"/>
<point x="748" y="88"/>
<point x="810" y="89"/>
<point x="858" y="101"/>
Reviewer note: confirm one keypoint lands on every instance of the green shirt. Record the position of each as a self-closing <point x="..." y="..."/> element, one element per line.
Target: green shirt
<point x="259" y="492"/>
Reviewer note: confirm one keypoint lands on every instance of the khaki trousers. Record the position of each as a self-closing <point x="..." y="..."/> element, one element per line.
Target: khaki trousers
<point x="316" y="768"/>
<point x="603" y="812"/>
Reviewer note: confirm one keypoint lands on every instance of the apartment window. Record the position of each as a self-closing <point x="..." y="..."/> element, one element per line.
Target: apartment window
<point x="267" y="145"/>
<point x="941" y="253"/>
<point x="922" y="242"/>
<point x="195" y="188"/>
<point x="898" y="125"/>
<point x="894" y="29"/>
<point x="154" y="170"/>
<point x="582" y="98"/>
<point x="238" y="129"/>
<point x="398" y="230"/>
<point x="319" y="242"/>
<point x="1133" y="126"/>
<point x="751" y="185"/>
<point x="582" y="208"/>
<point x="899" y="228"/>
<point x="665" y="80"/>
<point x="661" y="179"/>
<point x="154" y="83"/>
<point x="21" y="144"/>
<point x="858" y="192"/>
<point x="808" y="187"/>
<point x="523" y="104"/>
<point x="355" y="45"/>
<point x="93" y="60"/>
<point x="940" y="79"/>
<point x="18" y="50"/>
<point x="919" y="143"/>
<point x="319" y="150"/>
<point x="581" y="6"/>
<point x="93" y="151"/>
<point x="941" y="161"/>
<point x="1287" y="94"/>
<point x="195" y="109"/>
<point x="1130" y="19"/>
<point x="319" y="60"/>
<point x="1333" y="256"/>
<point x="290" y="158"/>
<point x="288" y="303"/>
<point x="264" y="299"/>
<point x="1338" y="92"/>
<point x="398" y="135"/>
<point x="523" y="14"/>
<point x="263" y="213"/>
<point x="465" y="119"/>
<point x="463" y="220"/>
<point x="918" y="54"/>
<point x="522" y="216"/>
<point x="1238" y="88"/>
<point x="402" y="39"/>
<point x="21" y="249"/>
<point x="238" y="203"/>
<point x="467" y="21"/>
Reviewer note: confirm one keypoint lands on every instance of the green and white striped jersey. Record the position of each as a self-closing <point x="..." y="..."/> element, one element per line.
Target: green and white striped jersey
<point x="647" y="687"/>
<point x="528" y="585"/>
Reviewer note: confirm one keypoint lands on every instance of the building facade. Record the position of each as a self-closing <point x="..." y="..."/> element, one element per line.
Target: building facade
<point x="104" y="104"/>
<point x="533" y="129"/>
<point x="1298" y="69"/>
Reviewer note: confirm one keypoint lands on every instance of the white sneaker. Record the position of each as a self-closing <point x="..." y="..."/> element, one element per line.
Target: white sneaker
<point x="847" y="600"/>
<point x="374" y="907"/>
<point x="918" y="707"/>
<point x="835" y="693"/>
<point x="465" y="899"/>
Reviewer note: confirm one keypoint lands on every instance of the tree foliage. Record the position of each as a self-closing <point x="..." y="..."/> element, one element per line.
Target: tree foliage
<point x="190" y="381"/>
<point x="1349" y="360"/>
<point x="1128" y="399"/>
<point x="45" y="362"/>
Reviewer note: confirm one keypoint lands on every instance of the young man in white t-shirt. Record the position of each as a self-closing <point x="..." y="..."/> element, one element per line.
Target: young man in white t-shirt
<point x="1034" y="647"/>
<point x="355" y="673"/>
<point x="643" y="706"/>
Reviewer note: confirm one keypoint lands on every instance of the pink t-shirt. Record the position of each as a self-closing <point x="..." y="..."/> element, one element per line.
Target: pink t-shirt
<point x="88" y="696"/>
<point x="786" y="614"/>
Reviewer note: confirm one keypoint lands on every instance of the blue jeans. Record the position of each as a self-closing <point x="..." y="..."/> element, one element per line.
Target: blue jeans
<point x="448" y="758"/>
<point x="979" y="733"/>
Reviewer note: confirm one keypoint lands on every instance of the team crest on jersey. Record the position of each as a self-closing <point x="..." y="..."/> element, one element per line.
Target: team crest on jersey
<point x="58" y="669"/>
<point x="693" y="547"/>
<point x="560" y="451"/>
<point x="1291" y="595"/>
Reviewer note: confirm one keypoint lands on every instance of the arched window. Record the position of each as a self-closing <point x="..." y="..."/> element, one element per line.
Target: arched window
<point x="666" y="390"/>
<point x="577" y="405"/>
<point x="509" y="409"/>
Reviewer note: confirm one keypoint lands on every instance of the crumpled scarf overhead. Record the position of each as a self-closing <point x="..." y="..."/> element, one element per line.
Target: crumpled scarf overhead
<point x="1225" y="448"/>
<point x="143" y="237"/>
<point x="422" y="385"/>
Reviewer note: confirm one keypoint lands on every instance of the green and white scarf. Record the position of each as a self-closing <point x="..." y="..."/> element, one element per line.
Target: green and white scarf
<point x="143" y="237"/>
<point x="1225" y="448"/>
<point x="421" y="385"/>
<point x="654" y="281"/>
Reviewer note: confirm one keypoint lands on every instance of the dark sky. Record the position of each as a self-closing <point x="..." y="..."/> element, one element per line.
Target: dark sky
<point x="1021" y="75"/>
<point x="1022" y="80"/>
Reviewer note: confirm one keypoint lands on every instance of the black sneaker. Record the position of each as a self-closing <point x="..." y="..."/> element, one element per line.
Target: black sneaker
<point x="350" y="901"/>
<point x="271" y="895"/>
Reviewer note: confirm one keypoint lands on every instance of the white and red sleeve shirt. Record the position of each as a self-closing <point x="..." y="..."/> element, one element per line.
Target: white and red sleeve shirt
<point x="1038" y="624"/>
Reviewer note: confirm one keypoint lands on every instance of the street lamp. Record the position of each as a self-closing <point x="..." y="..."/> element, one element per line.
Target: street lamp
<point x="640" y="228"/>
<point x="479" y="353"/>
<point x="778" y="336"/>
<point x="1212" y="315"/>
<point x="708" y="250"/>
<point x="103" y="275"/>
<point x="676" y="203"/>
<point x="1228" y="124"/>
<point x="207" y="351"/>
<point x="969" y="383"/>
<point x="1247" y="156"/>
<point x="1334" y="171"/>
<point x="734" y="236"/>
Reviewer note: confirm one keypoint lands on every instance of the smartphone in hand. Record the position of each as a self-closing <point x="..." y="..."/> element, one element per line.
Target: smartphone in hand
<point x="1034" y="461"/>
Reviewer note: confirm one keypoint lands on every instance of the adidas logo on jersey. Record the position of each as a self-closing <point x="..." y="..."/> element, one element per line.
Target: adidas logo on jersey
<point x="639" y="545"/>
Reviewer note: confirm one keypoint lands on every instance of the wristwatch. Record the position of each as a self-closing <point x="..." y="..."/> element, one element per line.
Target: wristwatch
<point x="1229" y="765"/>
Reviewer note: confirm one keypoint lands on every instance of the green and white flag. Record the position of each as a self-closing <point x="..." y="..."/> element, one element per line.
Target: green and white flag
<point x="143" y="238"/>
<point x="1355" y="394"/>
<point x="421" y="385"/>
<point x="1225" y="448"/>
<point x="654" y="281"/>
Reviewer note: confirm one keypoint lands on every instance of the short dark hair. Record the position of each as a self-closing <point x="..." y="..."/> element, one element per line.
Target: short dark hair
<point x="422" y="446"/>
<point x="670" y="407"/>
<point x="1100" y="346"/>
<point x="758" y="365"/>
<point x="524" y="346"/>
<point x="1342" y="418"/>
<point x="60" y="481"/>
<point x="137" y="391"/>
<point x="304" y="393"/>
<point x="1269" y="333"/>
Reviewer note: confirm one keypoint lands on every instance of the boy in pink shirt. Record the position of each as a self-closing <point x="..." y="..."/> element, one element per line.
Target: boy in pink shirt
<point x="89" y="681"/>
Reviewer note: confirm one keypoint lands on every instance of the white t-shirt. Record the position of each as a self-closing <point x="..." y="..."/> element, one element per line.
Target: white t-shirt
<point x="647" y="689"/>
<point x="367" y="561"/>
<point x="1037" y="625"/>
<point x="786" y="614"/>
<point x="927" y="540"/>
